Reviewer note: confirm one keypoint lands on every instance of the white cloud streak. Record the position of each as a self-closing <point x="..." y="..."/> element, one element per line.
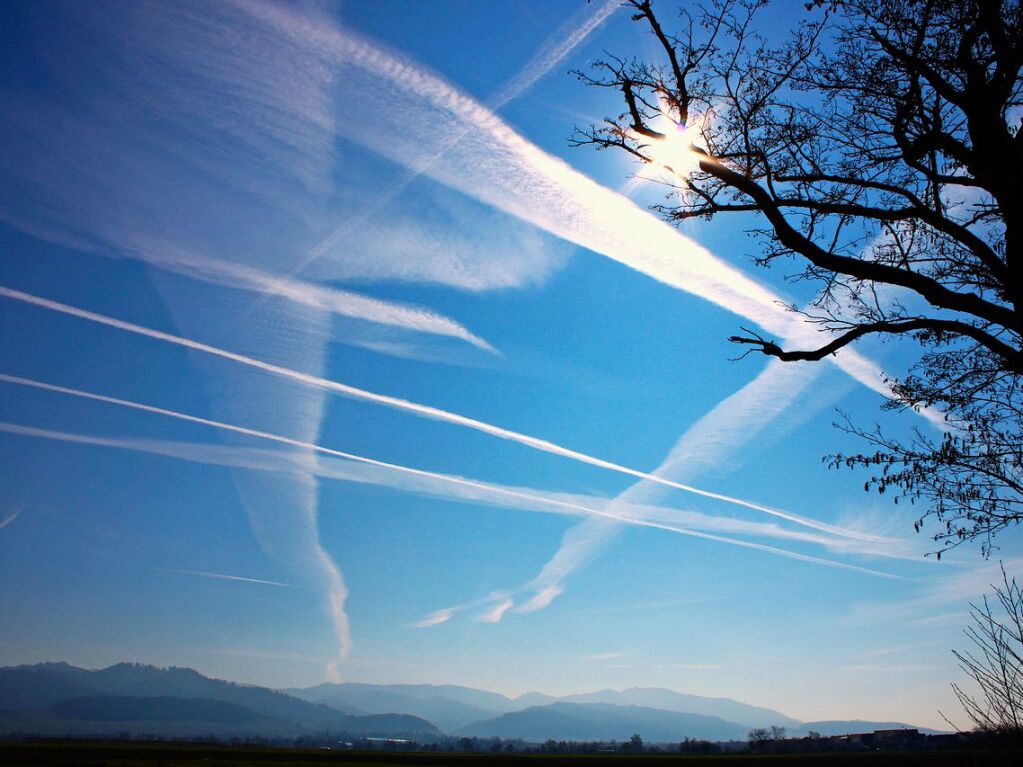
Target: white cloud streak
<point x="496" y="165"/>
<point x="454" y="488"/>
<point x="344" y="303"/>
<point x="513" y="497"/>
<point x="405" y="113"/>
<point x="9" y="519"/>
<point x="733" y="421"/>
<point x="242" y="165"/>
<point x="561" y="43"/>
<point x="424" y="411"/>
<point x="705" y="446"/>
<point x="564" y="40"/>
<point x="543" y="501"/>
<point x="603" y="656"/>
<point x="212" y="94"/>
<point x="931" y="607"/>
<point x="434" y="619"/>
<point x="227" y="577"/>
<point x="413" y="115"/>
<point x="494" y="613"/>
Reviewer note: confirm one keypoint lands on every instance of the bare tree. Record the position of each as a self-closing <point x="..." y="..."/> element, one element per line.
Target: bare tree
<point x="995" y="664"/>
<point x="759" y="735"/>
<point x="877" y="148"/>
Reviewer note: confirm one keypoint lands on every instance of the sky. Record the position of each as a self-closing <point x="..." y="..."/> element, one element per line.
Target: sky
<point x="326" y="357"/>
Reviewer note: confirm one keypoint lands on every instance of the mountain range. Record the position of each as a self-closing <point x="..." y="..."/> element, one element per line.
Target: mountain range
<point x="57" y="699"/>
<point x="454" y="708"/>
<point x="60" y="699"/>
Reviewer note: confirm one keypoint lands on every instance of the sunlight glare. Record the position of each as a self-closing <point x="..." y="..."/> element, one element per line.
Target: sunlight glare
<point x="673" y="154"/>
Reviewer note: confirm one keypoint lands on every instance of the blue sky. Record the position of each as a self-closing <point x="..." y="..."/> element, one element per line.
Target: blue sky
<point x="437" y="356"/>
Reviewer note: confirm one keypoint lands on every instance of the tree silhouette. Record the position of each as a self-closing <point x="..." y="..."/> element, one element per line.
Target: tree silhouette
<point x="995" y="664"/>
<point x="759" y="735"/>
<point x="634" y="744"/>
<point x="878" y="147"/>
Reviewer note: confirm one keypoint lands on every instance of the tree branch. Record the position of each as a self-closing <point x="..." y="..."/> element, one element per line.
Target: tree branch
<point x="1013" y="357"/>
<point x="936" y="293"/>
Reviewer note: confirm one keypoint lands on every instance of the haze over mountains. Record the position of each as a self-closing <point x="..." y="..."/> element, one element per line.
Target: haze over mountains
<point x="60" y="699"/>
<point x="453" y="708"/>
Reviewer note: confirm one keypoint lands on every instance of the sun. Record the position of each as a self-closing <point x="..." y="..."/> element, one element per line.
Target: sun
<point x="673" y="154"/>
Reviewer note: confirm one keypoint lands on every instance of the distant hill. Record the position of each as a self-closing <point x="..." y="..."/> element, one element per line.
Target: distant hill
<point x="42" y="694"/>
<point x="528" y="699"/>
<point x="163" y="716"/>
<point x="108" y="708"/>
<point x="41" y="685"/>
<point x="669" y="700"/>
<point x="468" y="696"/>
<point x="448" y="706"/>
<point x="602" y="721"/>
<point x="452" y="708"/>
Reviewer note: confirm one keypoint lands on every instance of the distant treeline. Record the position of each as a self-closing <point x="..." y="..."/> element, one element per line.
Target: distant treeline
<point x="68" y="753"/>
<point x="880" y="741"/>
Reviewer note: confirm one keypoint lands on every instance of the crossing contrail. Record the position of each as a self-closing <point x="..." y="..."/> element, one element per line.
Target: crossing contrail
<point x="425" y="411"/>
<point x="30" y="431"/>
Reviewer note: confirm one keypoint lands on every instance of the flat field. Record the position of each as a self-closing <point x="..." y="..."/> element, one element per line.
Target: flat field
<point x="95" y="754"/>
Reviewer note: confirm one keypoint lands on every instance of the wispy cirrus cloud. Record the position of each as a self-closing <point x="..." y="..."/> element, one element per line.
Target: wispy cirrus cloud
<point x="602" y="656"/>
<point x="344" y="303"/>
<point x="560" y="44"/>
<point x="217" y="93"/>
<point x="434" y="619"/>
<point x="897" y="668"/>
<point x="498" y="166"/>
<point x="496" y="610"/>
<point x="197" y="131"/>
<point x="494" y="166"/>
<point x="955" y="588"/>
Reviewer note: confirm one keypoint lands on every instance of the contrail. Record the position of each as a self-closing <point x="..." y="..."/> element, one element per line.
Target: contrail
<point x="560" y="44"/>
<point x="736" y="419"/>
<point x="445" y="486"/>
<point x="424" y="411"/>
<point x="341" y="302"/>
<point x="10" y="518"/>
<point x="226" y="577"/>
<point x="408" y="115"/>
<point x="30" y="431"/>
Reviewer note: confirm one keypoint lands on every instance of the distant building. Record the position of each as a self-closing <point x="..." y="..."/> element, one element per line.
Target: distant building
<point x="907" y="732"/>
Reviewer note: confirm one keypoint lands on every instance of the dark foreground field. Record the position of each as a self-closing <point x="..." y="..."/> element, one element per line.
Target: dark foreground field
<point x="190" y="755"/>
